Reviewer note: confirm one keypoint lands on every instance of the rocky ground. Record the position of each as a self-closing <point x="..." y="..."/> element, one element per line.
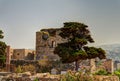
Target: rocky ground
<point x="47" y="77"/>
<point x="28" y="77"/>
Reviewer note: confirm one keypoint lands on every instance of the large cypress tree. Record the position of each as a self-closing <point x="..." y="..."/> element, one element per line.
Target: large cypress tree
<point x="2" y="49"/>
<point x="75" y="49"/>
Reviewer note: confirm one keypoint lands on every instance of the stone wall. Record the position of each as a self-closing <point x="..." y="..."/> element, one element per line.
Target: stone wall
<point x="109" y="65"/>
<point x="29" y="77"/>
<point x="92" y="66"/>
<point x="18" y="54"/>
<point x="21" y="54"/>
<point x="46" y="41"/>
<point x="48" y="77"/>
<point x="23" y="62"/>
<point x="105" y="78"/>
<point x="9" y="53"/>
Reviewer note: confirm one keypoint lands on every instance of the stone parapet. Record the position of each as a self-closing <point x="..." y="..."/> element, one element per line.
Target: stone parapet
<point x="105" y="78"/>
<point x="49" y="77"/>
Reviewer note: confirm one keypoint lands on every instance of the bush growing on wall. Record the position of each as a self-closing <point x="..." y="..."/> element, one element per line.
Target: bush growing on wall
<point x="18" y="69"/>
<point x="29" y="67"/>
<point x="102" y="72"/>
<point x="25" y="68"/>
<point x="76" y="76"/>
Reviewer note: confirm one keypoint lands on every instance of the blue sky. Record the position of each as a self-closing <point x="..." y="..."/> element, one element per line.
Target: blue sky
<point x="20" y="19"/>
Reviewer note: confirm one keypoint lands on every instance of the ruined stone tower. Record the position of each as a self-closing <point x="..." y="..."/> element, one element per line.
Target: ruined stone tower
<point x="46" y="41"/>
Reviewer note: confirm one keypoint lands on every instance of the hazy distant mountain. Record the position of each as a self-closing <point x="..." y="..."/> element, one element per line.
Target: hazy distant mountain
<point x="112" y="50"/>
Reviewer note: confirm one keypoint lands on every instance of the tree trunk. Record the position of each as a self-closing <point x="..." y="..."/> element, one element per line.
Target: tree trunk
<point x="76" y="65"/>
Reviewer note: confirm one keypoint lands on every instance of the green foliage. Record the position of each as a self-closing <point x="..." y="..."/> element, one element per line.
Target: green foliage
<point x="2" y="58"/>
<point x="36" y="79"/>
<point x="76" y="76"/>
<point x="77" y="36"/>
<point x="75" y="30"/>
<point x="1" y="34"/>
<point x="102" y="72"/>
<point x="2" y="49"/>
<point x="19" y="69"/>
<point x="93" y="52"/>
<point x="29" y="68"/>
<point x="117" y="72"/>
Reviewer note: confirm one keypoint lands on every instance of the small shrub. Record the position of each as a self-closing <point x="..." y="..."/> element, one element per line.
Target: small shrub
<point x="117" y="72"/>
<point x="36" y="79"/>
<point x="102" y="72"/>
<point x="29" y="67"/>
<point x="76" y="76"/>
<point x="18" y="69"/>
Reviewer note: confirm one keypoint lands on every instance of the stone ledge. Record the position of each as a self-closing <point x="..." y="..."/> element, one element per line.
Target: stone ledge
<point x="105" y="78"/>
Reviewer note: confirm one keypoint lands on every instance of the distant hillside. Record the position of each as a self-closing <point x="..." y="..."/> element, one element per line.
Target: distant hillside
<point x="113" y="51"/>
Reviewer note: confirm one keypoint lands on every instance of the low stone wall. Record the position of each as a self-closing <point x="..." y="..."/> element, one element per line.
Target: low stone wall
<point x="49" y="77"/>
<point x="29" y="79"/>
<point x="105" y="78"/>
<point x="26" y="77"/>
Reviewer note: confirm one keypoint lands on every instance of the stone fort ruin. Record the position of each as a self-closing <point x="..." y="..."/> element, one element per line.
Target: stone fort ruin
<point x="46" y="41"/>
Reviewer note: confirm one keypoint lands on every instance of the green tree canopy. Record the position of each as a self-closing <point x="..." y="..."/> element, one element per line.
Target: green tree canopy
<point x="1" y="34"/>
<point x="77" y="36"/>
<point x="2" y="49"/>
